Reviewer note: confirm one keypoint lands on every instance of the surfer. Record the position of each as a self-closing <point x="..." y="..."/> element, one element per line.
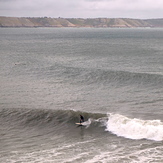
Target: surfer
<point x="81" y="119"/>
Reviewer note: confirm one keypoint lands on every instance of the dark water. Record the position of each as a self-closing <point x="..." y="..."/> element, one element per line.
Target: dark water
<point x="113" y="77"/>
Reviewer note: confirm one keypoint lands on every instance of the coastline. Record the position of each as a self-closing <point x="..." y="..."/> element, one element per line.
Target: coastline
<point x="37" y="22"/>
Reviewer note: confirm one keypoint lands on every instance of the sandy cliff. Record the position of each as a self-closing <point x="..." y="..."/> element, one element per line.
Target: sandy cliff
<point x="79" y="22"/>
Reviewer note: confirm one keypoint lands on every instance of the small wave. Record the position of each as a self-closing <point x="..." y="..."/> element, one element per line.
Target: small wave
<point x="99" y="76"/>
<point x="135" y="128"/>
<point x="124" y="77"/>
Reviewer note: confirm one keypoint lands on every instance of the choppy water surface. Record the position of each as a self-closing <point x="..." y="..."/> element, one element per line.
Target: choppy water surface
<point x="49" y="76"/>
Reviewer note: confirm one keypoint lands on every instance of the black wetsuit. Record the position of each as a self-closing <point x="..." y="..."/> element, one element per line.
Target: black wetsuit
<point x="81" y="119"/>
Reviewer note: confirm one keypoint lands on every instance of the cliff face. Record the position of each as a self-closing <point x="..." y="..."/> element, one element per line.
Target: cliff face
<point x="34" y="22"/>
<point x="79" y="22"/>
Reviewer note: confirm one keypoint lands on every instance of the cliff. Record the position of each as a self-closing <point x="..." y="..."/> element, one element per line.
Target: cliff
<point x="78" y="22"/>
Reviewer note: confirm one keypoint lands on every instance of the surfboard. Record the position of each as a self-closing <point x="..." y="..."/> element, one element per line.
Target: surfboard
<point x="79" y="124"/>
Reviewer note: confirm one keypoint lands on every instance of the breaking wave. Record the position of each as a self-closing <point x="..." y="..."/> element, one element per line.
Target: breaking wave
<point x="116" y="124"/>
<point x="135" y="128"/>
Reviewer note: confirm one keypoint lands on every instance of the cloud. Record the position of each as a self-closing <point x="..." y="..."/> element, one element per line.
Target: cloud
<point x="82" y="8"/>
<point x="126" y="4"/>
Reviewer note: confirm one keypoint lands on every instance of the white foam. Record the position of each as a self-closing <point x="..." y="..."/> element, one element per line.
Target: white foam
<point x="60" y="154"/>
<point x="132" y="156"/>
<point x="87" y="123"/>
<point x="135" y="128"/>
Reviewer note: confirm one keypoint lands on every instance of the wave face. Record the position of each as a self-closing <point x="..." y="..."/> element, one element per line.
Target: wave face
<point x="44" y="117"/>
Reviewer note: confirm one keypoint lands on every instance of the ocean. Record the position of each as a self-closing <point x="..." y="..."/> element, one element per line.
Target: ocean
<point x="51" y="76"/>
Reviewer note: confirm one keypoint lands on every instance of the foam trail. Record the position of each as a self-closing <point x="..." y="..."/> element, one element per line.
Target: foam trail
<point x="135" y="128"/>
<point x="87" y="123"/>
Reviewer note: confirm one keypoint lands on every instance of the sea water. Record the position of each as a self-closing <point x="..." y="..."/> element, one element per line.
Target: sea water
<point x="113" y="77"/>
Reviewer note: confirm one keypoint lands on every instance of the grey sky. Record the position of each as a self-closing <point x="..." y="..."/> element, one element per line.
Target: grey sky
<point x="83" y="8"/>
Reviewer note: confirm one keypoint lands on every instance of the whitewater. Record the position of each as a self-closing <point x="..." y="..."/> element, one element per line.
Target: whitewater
<point x="51" y="76"/>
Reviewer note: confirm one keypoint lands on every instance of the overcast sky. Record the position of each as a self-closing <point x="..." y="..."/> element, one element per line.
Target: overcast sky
<point x="83" y="8"/>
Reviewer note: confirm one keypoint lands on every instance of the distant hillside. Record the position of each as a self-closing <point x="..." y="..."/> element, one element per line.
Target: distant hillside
<point x="34" y="22"/>
<point x="79" y="22"/>
<point x="155" y="22"/>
